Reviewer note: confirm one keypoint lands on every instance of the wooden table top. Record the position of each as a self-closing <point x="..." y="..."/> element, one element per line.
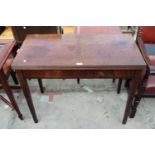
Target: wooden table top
<point x="83" y="51"/>
<point x="6" y="46"/>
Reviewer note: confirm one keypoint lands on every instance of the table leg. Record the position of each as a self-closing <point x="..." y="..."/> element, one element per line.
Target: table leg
<point x="132" y="92"/>
<point x="13" y="74"/>
<point x="9" y="93"/>
<point x="41" y="85"/>
<point x="26" y="91"/>
<point x="138" y="97"/>
<point x="78" y="80"/>
<point x="119" y="86"/>
<point x="113" y="80"/>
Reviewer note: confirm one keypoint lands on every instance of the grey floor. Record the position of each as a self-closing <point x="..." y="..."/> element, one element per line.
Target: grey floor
<point x="94" y="104"/>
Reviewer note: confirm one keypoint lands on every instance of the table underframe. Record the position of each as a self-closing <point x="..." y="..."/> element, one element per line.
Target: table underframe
<point x="134" y="75"/>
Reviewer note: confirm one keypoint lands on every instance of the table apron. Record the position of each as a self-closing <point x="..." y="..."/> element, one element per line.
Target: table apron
<point x="88" y="74"/>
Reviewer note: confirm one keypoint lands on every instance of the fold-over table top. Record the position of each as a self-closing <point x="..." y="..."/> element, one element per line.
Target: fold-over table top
<point x="79" y="51"/>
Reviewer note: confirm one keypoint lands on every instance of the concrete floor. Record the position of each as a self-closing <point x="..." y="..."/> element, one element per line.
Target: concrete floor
<point x="94" y="104"/>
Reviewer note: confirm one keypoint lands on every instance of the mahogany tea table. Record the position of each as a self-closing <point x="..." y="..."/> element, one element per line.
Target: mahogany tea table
<point x="87" y="56"/>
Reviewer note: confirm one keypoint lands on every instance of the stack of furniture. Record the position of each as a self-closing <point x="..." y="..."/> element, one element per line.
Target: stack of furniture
<point x="146" y="44"/>
<point x="7" y="54"/>
<point x="20" y="32"/>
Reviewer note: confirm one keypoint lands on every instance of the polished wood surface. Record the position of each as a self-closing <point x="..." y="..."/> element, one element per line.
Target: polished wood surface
<point x="80" y="56"/>
<point x="79" y="51"/>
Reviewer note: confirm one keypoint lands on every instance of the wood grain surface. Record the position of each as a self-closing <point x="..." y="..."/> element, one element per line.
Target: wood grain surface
<point x="79" y="51"/>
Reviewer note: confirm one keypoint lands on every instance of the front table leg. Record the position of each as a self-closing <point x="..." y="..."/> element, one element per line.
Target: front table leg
<point x="132" y="92"/>
<point x="26" y="91"/>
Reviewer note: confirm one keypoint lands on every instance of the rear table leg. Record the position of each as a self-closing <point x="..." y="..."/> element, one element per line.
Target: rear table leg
<point x="13" y="74"/>
<point x="119" y="86"/>
<point x="41" y="85"/>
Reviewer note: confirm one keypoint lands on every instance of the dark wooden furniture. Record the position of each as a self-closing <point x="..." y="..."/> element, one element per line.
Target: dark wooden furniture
<point x="145" y="41"/>
<point x="79" y="56"/>
<point x="146" y="44"/>
<point x="20" y="32"/>
<point x="7" y="54"/>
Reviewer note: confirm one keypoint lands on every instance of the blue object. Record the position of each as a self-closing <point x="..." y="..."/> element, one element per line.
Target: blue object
<point x="150" y="49"/>
<point x="1" y="48"/>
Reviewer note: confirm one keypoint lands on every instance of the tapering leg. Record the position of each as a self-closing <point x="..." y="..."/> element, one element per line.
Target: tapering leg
<point x="134" y="107"/>
<point x="26" y="91"/>
<point x="119" y="86"/>
<point x="13" y="75"/>
<point x="138" y="97"/>
<point x="127" y="83"/>
<point x="113" y="80"/>
<point x="41" y="85"/>
<point x="78" y="80"/>
<point x="9" y="93"/>
<point x="132" y="91"/>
